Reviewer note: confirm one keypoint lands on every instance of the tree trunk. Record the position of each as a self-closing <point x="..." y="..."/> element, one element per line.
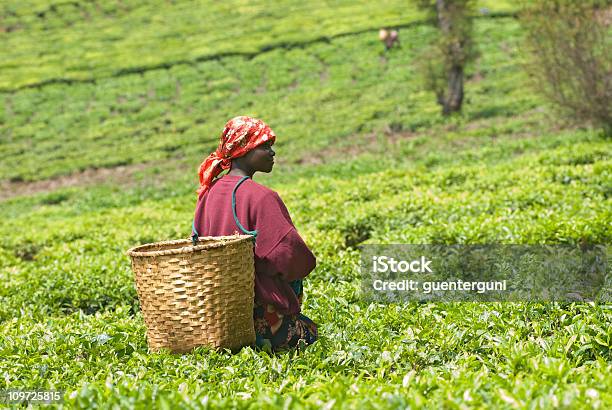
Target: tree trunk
<point x="452" y="99"/>
<point x="454" y="94"/>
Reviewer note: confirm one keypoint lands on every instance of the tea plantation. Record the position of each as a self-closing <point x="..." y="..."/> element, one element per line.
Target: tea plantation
<point x="363" y="156"/>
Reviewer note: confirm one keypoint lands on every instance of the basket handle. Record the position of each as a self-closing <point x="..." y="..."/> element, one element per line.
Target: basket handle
<point x="194" y="232"/>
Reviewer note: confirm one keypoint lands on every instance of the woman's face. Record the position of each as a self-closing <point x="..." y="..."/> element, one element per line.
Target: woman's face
<point x="261" y="158"/>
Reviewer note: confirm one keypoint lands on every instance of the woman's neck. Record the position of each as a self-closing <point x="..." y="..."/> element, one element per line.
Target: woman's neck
<point x="240" y="172"/>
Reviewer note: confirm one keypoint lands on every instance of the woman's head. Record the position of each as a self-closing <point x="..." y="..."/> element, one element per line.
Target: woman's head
<point x="260" y="158"/>
<point x="245" y="143"/>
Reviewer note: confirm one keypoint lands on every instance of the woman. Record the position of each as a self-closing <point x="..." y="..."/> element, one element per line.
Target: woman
<point x="282" y="259"/>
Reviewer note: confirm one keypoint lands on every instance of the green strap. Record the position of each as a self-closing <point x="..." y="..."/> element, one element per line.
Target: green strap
<point x="194" y="232"/>
<point x="252" y="233"/>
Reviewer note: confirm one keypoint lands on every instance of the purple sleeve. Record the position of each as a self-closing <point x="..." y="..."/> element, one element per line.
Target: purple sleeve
<point x="282" y="249"/>
<point x="291" y="257"/>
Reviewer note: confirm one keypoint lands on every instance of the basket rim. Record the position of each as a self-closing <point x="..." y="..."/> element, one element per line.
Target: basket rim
<point x="218" y="241"/>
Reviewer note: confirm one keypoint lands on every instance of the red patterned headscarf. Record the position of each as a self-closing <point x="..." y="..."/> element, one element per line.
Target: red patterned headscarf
<point x="240" y="135"/>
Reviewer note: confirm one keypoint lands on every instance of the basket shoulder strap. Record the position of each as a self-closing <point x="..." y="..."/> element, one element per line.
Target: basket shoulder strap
<point x="252" y="233"/>
<point x="194" y="232"/>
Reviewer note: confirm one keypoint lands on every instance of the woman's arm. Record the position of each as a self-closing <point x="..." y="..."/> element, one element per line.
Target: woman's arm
<point x="279" y="247"/>
<point x="291" y="258"/>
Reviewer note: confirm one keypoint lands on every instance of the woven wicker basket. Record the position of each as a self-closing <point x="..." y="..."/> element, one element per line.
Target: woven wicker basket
<point x="196" y="295"/>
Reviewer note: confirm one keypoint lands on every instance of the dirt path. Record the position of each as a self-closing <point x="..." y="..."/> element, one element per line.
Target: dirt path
<point x="121" y="175"/>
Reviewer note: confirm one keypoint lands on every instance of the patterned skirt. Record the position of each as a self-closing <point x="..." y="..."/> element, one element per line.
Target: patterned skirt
<point x="281" y="332"/>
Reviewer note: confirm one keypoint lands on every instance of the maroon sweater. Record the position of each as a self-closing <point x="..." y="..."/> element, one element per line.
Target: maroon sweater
<point x="280" y="253"/>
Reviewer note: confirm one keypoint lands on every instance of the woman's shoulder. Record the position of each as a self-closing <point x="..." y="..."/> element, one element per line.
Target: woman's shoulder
<point x="251" y="188"/>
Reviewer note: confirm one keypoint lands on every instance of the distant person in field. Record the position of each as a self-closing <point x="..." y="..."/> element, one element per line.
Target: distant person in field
<point x="282" y="259"/>
<point x="389" y="38"/>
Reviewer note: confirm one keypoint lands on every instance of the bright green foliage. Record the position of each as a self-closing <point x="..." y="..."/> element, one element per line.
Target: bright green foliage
<point x="87" y="41"/>
<point x="45" y="41"/>
<point x="364" y="157"/>
<point x="164" y="114"/>
<point x="66" y="258"/>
